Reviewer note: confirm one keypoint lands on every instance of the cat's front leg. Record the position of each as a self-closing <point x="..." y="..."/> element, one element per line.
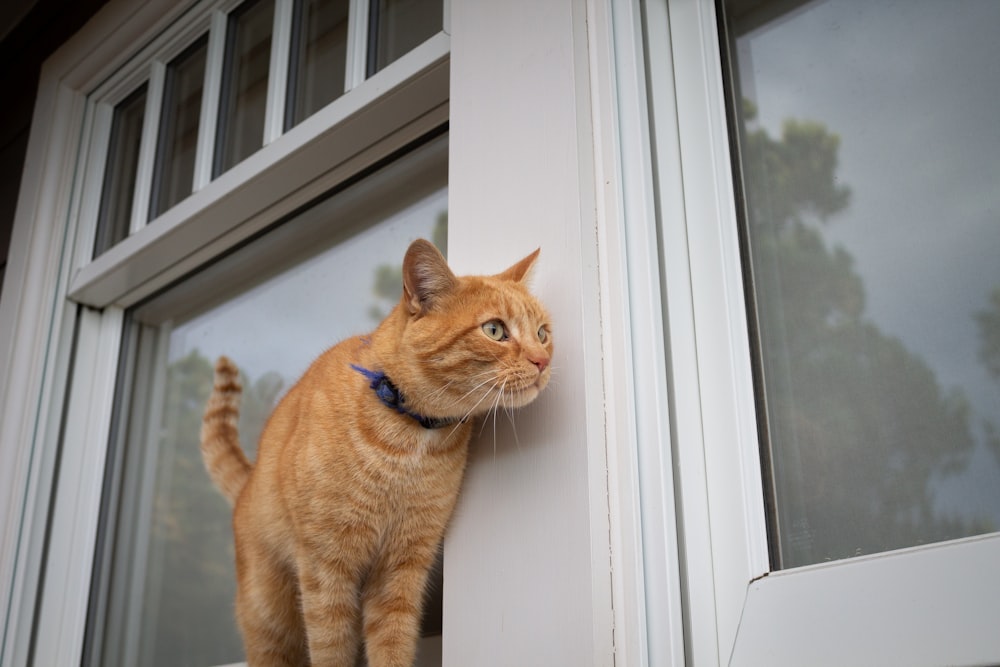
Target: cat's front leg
<point x="392" y="602"/>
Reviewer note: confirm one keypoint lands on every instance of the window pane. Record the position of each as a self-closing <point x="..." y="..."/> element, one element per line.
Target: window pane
<point x="173" y="172"/>
<point x="119" y="171"/>
<point x="869" y="156"/>
<point x="273" y="307"/>
<point x="399" y="26"/>
<point x="318" y="57"/>
<point x="244" y="83"/>
<point x="178" y="136"/>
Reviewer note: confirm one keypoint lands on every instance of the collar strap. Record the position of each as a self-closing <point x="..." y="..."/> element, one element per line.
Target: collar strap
<point x="392" y="397"/>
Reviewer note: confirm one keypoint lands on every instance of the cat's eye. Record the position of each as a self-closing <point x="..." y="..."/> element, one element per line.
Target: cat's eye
<point x="543" y="334"/>
<point x="495" y="330"/>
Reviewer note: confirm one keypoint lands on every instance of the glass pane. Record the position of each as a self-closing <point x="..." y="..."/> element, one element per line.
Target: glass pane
<point x="273" y="307"/>
<point x="869" y="156"/>
<point x="119" y="171"/>
<point x="173" y="177"/>
<point x="244" y="84"/>
<point x="318" y="57"/>
<point x="399" y="26"/>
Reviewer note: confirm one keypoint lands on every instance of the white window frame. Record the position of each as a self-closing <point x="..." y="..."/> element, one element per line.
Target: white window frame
<point x="567" y="546"/>
<point x="52" y="456"/>
<point x="543" y="560"/>
<point x="927" y="605"/>
<point x="544" y="563"/>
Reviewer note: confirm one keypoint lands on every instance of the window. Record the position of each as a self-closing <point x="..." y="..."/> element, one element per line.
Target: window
<point x="872" y="235"/>
<point x="133" y="135"/>
<point x="808" y="206"/>
<point x="244" y="83"/>
<point x="173" y="176"/>
<point x="400" y="25"/>
<point x="318" y="58"/>
<point x="213" y="106"/>
<point x="165" y="595"/>
<point x="115" y="215"/>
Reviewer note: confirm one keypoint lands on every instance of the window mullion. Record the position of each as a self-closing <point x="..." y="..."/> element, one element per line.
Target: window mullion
<point x="357" y="45"/>
<point x="208" y="123"/>
<point x="147" y="147"/>
<point x="277" y="79"/>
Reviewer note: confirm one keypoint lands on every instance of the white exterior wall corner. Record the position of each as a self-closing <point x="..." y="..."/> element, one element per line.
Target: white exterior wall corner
<point x="529" y="552"/>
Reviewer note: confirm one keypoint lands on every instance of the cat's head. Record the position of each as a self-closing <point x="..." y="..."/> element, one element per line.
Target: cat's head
<point x="472" y="343"/>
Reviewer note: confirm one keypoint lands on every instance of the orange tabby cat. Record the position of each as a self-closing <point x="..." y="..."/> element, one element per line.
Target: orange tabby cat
<point x="359" y="466"/>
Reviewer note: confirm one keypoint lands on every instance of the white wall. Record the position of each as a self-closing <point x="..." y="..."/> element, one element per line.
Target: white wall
<point x="527" y="560"/>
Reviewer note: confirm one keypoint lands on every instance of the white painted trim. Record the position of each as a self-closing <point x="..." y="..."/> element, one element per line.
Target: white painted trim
<point x="645" y="575"/>
<point x="721" y="517"/>
<point x="356" y="63"/>
<point x="934" y="605"/>
<point x="63" y="605"/>
<point x="528" y="555"/>
<point x="147" y="147"/>
<point x="103" y="48"/>
<point x="32" y="339"/>
<point x="208" y="122"/>
<point x="652" y="461"/>
<point x="277" y="80"/>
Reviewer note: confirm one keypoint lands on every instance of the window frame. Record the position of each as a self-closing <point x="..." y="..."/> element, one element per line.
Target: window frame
<point x="78" y="341"/>
<point x="926" y="605"/>
<point x="66" y="315"/>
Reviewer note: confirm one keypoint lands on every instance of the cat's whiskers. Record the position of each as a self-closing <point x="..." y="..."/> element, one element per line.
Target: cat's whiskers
<point x="496" y="405"/>
<point x="469" y="412"/>
<point x="493" y="409"/>
<point x="493" y="376"/>
<point x="513" y="427"/>
<point x="434" y="395"/>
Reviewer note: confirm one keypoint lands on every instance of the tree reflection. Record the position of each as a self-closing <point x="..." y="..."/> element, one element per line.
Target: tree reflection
<point x="860" y="429"/>
<point x="989" y="334"/>
<point x="388" y="284"/>
<point x="190" y="582"/>
<point x="988" y="321"/>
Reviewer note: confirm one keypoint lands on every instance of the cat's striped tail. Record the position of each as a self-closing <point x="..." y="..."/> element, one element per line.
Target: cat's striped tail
<point x="225" y="461"/>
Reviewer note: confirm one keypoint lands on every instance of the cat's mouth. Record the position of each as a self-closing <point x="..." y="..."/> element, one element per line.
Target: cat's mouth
<point x="520" y="396"/>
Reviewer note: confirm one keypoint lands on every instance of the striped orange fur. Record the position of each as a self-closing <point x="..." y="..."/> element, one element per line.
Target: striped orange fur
<point x="338" y="521"/>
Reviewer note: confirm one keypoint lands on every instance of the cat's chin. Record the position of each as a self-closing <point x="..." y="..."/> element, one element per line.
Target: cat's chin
<point x="518" y="398"/>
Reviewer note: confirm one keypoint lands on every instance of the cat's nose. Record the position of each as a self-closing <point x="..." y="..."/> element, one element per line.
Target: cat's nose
<point x="540" y="361"/>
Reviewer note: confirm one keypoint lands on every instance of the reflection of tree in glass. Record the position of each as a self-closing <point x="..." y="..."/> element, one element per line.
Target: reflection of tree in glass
<point x="989" y="334"/>
<point x="989" y="352"/>
<point x="860" y="429"/>
<point x="192" y="526"/>
<point x="389" y="277"/>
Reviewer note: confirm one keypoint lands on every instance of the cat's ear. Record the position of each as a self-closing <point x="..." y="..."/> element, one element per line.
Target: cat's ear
<point x="426" y="277"/>
<point x="521" y="271"/>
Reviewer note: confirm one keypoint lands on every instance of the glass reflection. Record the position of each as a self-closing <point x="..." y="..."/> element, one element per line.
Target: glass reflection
<point x="400" y="26"/>
<point x="318" y="57"/>
<point x="244" y="84"/>
<point x="115" y="215"/>
<point x="869" y="156"/>
<point x="173" y="177"/>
